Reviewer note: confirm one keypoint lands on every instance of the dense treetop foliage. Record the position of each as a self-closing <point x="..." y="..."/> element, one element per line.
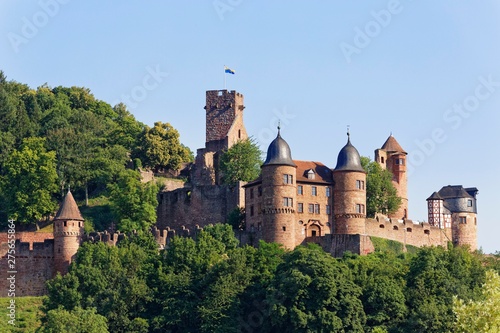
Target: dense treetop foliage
<point x="211" y="284"/>
<point x="241" y="162"/>
<point x="55" y="138"/>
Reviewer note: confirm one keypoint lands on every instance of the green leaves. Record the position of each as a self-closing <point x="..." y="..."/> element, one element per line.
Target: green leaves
<point x="241" y="162"/>
<point x="381" y="195"/>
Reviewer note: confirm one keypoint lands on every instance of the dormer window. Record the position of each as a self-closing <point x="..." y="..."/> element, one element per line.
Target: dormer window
<point x="310" y="174"/>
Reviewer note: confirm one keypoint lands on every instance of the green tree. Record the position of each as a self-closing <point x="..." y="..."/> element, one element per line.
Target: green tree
<point x="435" y="275"/>
<point x="313" y="292"/>
<point x="381" y="195"/>
<point x="29" y="181"/>
<point x="133" y="202"/>
<point x="241" y="162"/>
<point x="482" y="316"/>
<point x="160" y="148"/>
<point x="77" y="320"/>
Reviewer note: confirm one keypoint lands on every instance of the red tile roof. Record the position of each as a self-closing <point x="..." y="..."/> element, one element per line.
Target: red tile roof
<point x="323" y="174"/>
<point x="391" y="145"/>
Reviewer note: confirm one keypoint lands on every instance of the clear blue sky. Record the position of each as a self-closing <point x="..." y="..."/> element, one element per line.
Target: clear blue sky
<point x="427" y="71"/>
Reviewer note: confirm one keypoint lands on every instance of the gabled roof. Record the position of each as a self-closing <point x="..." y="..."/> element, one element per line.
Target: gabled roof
<point x="323" y="173"/>
<point x="69" y="209"/>
<point x="454" y="191"/>
<point x="391" y="145"/>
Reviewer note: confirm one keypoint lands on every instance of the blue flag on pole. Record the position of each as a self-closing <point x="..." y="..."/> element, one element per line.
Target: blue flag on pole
<point x="228" y="70"/>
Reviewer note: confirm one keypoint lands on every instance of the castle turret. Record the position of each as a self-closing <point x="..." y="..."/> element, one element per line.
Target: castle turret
<point x="68" y="230"/>
<point x="460" y="203"/>
<point x="393" y="158"/>
<point x="349" y="193"/>
<point x="436" y="211"/>
<point x="279" y="176"/>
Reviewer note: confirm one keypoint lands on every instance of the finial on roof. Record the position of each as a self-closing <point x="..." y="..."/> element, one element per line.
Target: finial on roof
<point x="391" y="133"/>
<point x="279" y="123"/>
<point x="69" y="188"/>
<point x="348" y="134"/>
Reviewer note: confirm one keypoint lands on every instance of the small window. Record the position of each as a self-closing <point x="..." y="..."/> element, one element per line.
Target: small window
<point x="462" y="219"/>
<point x="400" y="161"/>
<point x="313" y="233"/>
<point x="287" y="179"/>
<point x="300" y="189"/>
<point x="251" y="193"/>
<point x="314" y="191"/>
<point x="395" y="227"/>
<point x="311" y="208"/>
<point x="409" y="230"/>
<point x="316" y="208"/>
<point x="251" y="210"/>
<point x="239" y="134"/>
<point x="259" y="190"/>
<point x="328" y="190"/>
<point x="328" y="209"/>
<point x="288" y="202"/>
<point x="259" y="226"/>
<point x="427" y="232"/>
<point x="360" y="184"/>
<point x="381" y="226"/>
<point x="382" y="159"/>
<point x="469" y="203"/>
<point x="300" y="207"/>
<point x="360" y="209"/>
<point x="311" y="174"/>
<point x="301" y="222"/>
<point x="284" y="228"/>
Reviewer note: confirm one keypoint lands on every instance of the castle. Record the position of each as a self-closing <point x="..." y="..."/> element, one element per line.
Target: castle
<point x="292" y="202"/>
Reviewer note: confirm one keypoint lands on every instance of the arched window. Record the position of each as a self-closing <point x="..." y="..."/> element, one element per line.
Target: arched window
<point x="395" y="227"/>
<point x="382" y="226"/>
<point x="409" y="230"/>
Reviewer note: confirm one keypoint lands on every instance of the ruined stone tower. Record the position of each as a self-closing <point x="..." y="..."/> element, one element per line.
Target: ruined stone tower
<point x="279" y="192"/>
<point x="393" y="158"/>
<point x="349" y="194"/>
<point x="224" y="127"/>
<point x="68" y="230"/>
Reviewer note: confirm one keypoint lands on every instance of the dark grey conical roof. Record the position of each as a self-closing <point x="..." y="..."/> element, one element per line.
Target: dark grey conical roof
<point x="349" y="159"/>
<point x="279" y="152"/>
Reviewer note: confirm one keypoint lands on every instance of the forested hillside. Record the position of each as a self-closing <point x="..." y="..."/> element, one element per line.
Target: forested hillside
<point x="52" y="139"/>
<point x="210" y="284"/>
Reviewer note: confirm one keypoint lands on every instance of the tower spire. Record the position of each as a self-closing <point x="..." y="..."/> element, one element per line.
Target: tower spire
<point x="348" y="134"/>
<point x="279" y="127"/>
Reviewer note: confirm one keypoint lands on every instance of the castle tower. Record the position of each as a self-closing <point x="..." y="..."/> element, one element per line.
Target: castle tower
<point x="224" y="127"/>
<point x="393" y="158"/>
<point x="68" y="230"/>
<point x="279" y="190"/>
<point x="349" y="192"/>
<point x="436" y="210"/>
<point x="460" y="204"/>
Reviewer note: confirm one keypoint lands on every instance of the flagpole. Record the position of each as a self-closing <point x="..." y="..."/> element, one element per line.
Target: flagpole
<point x="224" y="71"/>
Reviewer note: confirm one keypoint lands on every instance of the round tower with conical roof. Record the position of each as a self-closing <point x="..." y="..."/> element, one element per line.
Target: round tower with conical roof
<point x="393" y="158"/>
<point x="279" y="194"/>
<point x="68" y="230"/>
<point x="349" y="193"/>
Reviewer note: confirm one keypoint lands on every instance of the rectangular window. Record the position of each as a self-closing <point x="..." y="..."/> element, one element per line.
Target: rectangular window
<point x="462" y="219"/>
<point x="287" y="202"/>
<point x="328" y="192"/>
<point x="251" y="193"/>
<point x="360" y="184"/>
<point x="300" y="207"/>
<point x="300" y="189"/>
<point x="316" y="208"/>
<point x="311" y="208"/>
<point x="288" y="179"/>
<point x="469" y="203"/>
<point x="400" y="161"/>
<point x="360" y="209"/>
<point x="251" y="210"/>
<point x="328" y="209"/>
<point x="314" y="191"/>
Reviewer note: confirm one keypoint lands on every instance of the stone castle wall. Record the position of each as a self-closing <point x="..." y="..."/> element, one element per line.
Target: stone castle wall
<point x="34" y="263"/>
